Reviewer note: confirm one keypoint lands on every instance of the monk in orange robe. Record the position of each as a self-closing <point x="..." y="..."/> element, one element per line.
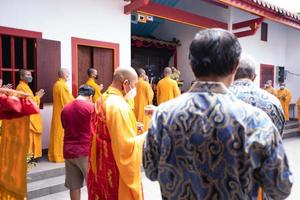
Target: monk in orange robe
<point x="269" y="88"/>
<point x="36" y="124"/>
<point x="167" y="88"/>
<point x="143" y="98"/>
<point x="284" y="96"/>
<point x="93" y="76"/>
<point x="116" y="150"/>
<point x="61" y="96"/>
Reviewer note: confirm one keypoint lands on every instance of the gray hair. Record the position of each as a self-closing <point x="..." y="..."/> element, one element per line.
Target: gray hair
<point x="246" y="68"/>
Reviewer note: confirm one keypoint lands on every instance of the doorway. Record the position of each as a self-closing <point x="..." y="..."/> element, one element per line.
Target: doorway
<point x="266" y="73"/>
<point x="102" y="56"/>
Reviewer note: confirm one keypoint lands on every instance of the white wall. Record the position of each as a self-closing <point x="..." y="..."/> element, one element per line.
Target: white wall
<point x="293" y="62"/>
<point x="272" y="52"/>
<point x="60" y="20"/>
<point x="185" y="33"/>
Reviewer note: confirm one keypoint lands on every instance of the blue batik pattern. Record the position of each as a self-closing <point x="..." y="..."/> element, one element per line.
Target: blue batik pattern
<point x="207" y="144"/>
<point x="248" y="92"/>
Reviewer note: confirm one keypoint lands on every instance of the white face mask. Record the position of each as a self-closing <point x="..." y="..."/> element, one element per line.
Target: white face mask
<point x="281" y="87"/>
<point x="131" y="94"/>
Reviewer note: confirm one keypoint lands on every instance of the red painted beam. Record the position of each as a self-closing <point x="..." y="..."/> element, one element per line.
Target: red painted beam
<point x="262" y="11"/>
<point x="214" y="2"/>
<point x="180" y="16"/>
<point x="247" y="23"/>
<point x="20" y="32"/>
<point x="135" y="5"/>
<point x="245" y="33"/>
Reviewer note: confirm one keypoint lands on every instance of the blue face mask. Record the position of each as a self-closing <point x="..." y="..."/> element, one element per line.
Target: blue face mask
<point x="28" y="79"/>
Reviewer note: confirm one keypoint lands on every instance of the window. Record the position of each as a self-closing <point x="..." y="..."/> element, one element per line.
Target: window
<point x="264" y="32"/>
<point x="17" y="53"/>
<point x="22" y="49"/>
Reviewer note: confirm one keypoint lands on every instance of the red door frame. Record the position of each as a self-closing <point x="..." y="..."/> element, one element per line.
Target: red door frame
<point x="91" y="43"/>
<point x="267" y="66"/>
<point x="17" y="33"/>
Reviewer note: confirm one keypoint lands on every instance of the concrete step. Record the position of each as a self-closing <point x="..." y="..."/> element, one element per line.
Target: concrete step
<point x="37" y="176"/>
<point x="46" y="187"/>
<point x="293" y="132"/>
<point x="291" y="125"/>
<point x="63" y="195"/>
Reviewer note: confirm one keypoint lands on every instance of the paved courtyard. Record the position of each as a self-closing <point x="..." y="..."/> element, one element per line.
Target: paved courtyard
<point x="152" y="192"/>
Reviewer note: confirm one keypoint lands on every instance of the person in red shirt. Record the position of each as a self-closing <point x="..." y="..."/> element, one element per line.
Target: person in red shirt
<point x="76" y="120"/>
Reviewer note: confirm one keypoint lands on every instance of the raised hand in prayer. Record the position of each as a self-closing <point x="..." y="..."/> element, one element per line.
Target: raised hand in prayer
<point x="140" y="127"/>
<point x="149" y="110"/>
<point x="8" y="86"/>
<point x="101" y="87"/>
<point x="40" y="93"/>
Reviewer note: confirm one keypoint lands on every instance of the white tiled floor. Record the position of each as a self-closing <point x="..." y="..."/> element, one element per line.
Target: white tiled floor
<point x="152" y="192"/>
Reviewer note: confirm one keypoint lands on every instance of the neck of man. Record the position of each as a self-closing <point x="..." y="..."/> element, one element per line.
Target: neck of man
<point x="227" y="80"/>
<point x="92" y="78"/>
<point x="83" y="98"/>
<point x="117" y="85"/>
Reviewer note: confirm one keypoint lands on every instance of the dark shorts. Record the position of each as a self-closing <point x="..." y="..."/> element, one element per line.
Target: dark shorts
<point x="76" y="171"/>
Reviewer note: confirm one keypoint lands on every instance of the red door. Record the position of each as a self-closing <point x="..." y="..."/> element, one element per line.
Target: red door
<point x="266" y="73"/>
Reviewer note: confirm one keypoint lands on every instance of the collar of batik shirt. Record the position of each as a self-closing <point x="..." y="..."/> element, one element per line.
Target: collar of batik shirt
<point x="243" y="82"/>
<point x="210" y="87"/>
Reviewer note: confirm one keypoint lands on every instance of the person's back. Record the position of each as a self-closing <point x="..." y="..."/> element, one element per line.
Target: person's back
<point x="167" y="89"/>
<point x="217" y="144"/>
<point x="207" y="144"/>
<point x="76" y="120"/>
<point x="251" y="94"/>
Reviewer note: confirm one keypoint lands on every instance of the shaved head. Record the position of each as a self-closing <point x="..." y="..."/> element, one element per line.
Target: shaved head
<point x="167" y="71"/>
<point x="91" y="72"/>
<point x="62" y="72"/>
<point x="23" y="73"/>
<point x="141" y="72"/>
<point x="124" y="73"/>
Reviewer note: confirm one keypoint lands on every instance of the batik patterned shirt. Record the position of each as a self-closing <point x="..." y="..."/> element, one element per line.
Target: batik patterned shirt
<point x="248" y="92"/>
<point x="207" y="144"/>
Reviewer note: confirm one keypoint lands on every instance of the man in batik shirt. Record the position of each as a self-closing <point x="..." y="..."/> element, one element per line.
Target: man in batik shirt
<point x="207" y="144"/>
<point x="243" y="88"/>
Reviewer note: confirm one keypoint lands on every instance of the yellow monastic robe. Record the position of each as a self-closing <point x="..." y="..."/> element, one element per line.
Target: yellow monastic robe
<point x="271" y="90"/>
<point x="91" y="82"/>
<point x="126" y="144"/>
<point x="298" y="106"/>
<point x="285" y="97"/>
<point x="61" y="96"/>
<point x="13" y="153"/>
<point x="167" y="89"/>
<point x="144" y="97"/>
<point x="36" y="124"/>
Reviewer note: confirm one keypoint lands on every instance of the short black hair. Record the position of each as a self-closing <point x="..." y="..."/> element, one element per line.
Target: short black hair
<point x="90" y="71"/>
<point x="86" y="91"/>
<point x="214" y="52"/>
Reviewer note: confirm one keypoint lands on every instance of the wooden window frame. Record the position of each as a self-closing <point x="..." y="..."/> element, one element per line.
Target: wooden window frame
<point x="92" y="43"/>
<point x="24" y="34"/>
<point x="266" y="66"/>
<point x="264" y="37"/>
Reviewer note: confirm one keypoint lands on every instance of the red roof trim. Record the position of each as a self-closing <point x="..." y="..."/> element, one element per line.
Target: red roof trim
<point x="267" y="10"/>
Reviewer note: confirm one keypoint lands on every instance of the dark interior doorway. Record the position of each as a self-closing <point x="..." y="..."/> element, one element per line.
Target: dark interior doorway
<point x="101" y="59"/>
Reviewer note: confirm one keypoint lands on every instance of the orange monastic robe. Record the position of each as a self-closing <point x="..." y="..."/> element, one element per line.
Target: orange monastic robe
<point x="36" y="124"/>
<point x="285" y="97"/>
<point x="143" y="98"/>
<point x="126" y="146"/>
<point x="91" y="82"/>
<point x="167" y="89"/>
<point x="61" y="96"/>
<point x="271" y="90"/>
<point x="298" y="106"/>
